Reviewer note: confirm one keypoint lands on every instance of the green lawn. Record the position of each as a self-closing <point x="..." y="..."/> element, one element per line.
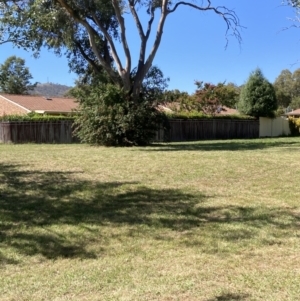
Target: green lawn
<point x="208" y="221"/>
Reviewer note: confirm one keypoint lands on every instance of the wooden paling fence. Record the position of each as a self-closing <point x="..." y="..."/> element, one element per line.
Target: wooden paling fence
<point x="180" y="130"/>
<point x="36" y="131"/>
<point x="206" y="129"/>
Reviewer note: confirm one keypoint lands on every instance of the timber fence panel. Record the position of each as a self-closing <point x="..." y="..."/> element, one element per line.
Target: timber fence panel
<point x="5" y="133"/>
<point x="36" y="131"/>
<point x="206" y="129"/>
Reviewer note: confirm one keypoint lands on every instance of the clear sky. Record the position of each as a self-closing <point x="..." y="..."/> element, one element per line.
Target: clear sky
<point x="192" y="47"/>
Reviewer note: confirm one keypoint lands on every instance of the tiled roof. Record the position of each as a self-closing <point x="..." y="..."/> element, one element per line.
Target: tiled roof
<point x="43" y="104"/>
<point x="295" y="112"/>
<point x="227" y="111"/>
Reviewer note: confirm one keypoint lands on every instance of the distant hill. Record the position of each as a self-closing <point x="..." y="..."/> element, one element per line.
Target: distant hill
<point x="51" y="89"/>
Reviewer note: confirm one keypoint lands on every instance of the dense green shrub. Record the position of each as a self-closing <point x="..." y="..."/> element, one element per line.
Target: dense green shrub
<point x="110" y="117"/>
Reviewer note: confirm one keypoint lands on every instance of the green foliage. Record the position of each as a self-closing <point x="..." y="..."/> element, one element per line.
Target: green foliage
<point x="211" y="97"/>
<point x="15" y="76"/>
<point x="284" y="88"/>
<point x="258" y="96"/>
<point x="295" y="103"/>
<point x="35" y="117"/>
<point x="229" y="94"/>
<point x="174" y="95"/>
<point x="205" y="100"/>
<point x="294" y="124"/>
<point x="179" y="101"/>
<point x="201" y="115"/>
<point x="154" y="83"/>
<point x="280" y="111"/>
<point x="207" y="97"/>
<point x="287" y="87"/>
<point x="108" y="116"/>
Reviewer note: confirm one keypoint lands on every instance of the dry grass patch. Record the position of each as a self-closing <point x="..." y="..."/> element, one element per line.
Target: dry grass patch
<point x="209" y="220"/>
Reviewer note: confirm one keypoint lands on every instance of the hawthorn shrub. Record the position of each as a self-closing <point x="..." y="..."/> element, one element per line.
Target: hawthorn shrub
<point x="107" y="116"/>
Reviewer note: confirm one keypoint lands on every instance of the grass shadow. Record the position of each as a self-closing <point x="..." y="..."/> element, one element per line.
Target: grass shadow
<point x="230" y="297"/>
<point x="35" y="205"/>
<point x="228" y="145"/>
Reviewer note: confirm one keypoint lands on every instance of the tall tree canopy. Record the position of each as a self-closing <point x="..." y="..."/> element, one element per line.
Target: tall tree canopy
<point x="15" y="76"/>
<point x="293" y="3"/>
<point x="258" y="96"/>
<point x="89" y="30"/>
<point x="284" y="88"/>
<point x="287" y="87"/>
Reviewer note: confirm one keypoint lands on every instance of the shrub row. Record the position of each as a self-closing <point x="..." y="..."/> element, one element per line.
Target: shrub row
<point x="35" y="117"/>
<point x="183" y="115"/>
<point x="199" y="115"/>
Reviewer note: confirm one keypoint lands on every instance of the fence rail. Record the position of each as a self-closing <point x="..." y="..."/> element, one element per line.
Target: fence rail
<point x="189" y="130"/>
<point x="180" y="130"/>
<point x="36" y="131"/>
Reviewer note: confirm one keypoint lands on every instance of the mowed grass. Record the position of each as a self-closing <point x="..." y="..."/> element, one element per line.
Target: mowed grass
<point x="209" y="220"/>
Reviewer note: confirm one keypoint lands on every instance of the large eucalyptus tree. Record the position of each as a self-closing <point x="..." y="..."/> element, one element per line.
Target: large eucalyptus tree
<point x="88" y="31"/>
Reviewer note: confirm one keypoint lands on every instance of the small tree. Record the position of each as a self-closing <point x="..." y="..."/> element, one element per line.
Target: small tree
<point x="229" y="94"/>
<point x="258" y="96"/>
<point x="212" y="97"/>
<point x="207" y="96"/>
<point x="15" y="76"/>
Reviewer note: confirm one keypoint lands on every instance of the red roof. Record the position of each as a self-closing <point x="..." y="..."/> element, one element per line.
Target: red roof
<point x="294" y="113"/>
<point x="227" y="111"/>
<point x="42" y="104"/>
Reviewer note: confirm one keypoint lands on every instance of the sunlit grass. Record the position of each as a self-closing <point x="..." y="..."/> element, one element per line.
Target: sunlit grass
<point x="209" y="220"/>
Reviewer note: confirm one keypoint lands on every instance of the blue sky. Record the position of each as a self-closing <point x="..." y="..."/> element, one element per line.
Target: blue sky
<point x="192" y="47"/>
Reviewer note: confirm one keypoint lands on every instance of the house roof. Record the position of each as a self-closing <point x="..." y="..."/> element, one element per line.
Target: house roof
<point x="40" y="104"/>
<point x="293" y="113"/>
<point x="227" y="111"/>
<point x="223" y="110"/>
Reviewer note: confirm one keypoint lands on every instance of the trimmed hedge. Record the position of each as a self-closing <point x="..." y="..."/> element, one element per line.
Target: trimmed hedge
<point x="183" y="115"/>
<point x="35" y="117"/>
<point x="199" y="115"/>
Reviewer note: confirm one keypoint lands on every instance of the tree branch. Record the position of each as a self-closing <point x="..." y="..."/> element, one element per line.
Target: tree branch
<point x="136" y="19"/>
<point x="86" y="57"/>
<point x="143" y="37"/>
<point x="151" y="11"/>
<point x="159" y="32"/>
<point x="110" y="42"/>
<point x="229" y="16"/>
<point x="91" y="33"/>
<point x="143" y="68"/>
<point x="120" y="19"/>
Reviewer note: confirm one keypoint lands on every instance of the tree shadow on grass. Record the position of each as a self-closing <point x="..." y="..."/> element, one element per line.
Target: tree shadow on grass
<point x="230" y="297"/>
<point x="228" y="145"/>
<point x="34" y="204"/>
<point x="36" y="198"/>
